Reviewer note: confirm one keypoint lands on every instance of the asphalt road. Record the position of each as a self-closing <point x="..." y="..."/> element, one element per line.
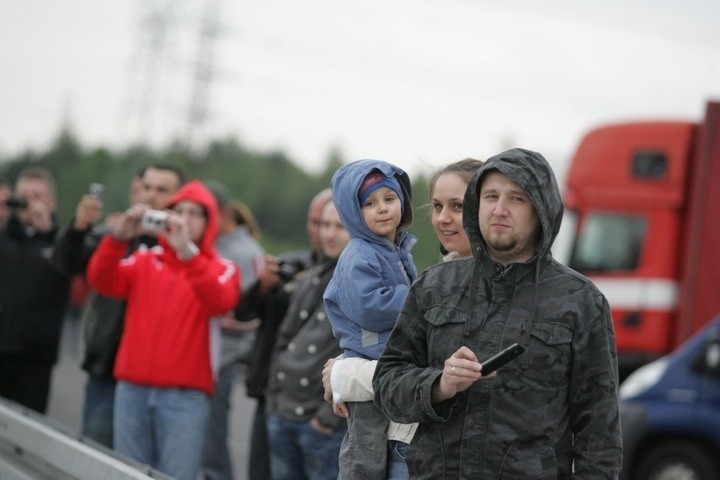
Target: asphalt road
<point x="66" y="398"/>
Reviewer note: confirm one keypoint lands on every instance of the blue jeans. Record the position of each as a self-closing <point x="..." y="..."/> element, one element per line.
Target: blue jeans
<point x="216" y="464"/>
<point x="98" y="410"/>
<point x="298" y="452"/>
<point x="161" y="427"/>
<point x="397" y="468"/>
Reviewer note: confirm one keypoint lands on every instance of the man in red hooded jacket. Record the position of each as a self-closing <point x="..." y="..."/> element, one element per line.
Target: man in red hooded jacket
<point x="163" y="363"/>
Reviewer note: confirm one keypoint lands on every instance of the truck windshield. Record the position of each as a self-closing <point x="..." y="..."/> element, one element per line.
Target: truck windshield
<point x="608" y="242"/>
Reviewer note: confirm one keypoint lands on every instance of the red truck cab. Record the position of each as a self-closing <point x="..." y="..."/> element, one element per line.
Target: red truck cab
<point x="645" y="197"/>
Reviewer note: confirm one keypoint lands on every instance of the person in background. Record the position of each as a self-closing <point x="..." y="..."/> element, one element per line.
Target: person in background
<point x="267" y="304"/>
<point x="33" y="294"/>
<point x="447" y="192"/>
<point x="237" y="241"/>
<point x="304" y="434"/>
<point x="350" y="379"/>
<point x="5" y="195"/>
<point x="552" y="412"/>
<point x="365" y="295"/>
<point x="157" y="195"/>
<point x="163" y="363"/>
<point x="103" y="320"/>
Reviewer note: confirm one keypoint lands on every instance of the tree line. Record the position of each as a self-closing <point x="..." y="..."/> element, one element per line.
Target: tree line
<point x="275" y="188"/>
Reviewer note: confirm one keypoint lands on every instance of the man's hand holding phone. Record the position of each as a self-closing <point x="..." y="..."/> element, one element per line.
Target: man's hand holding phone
<point x="463" y="369"/>
<point x="89" y="210"/>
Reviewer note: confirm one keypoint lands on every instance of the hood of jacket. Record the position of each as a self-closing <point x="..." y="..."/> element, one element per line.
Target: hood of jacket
<point x="195" y="191"/>
<point x="345" y="185"/>
<point x="532" y="172"/>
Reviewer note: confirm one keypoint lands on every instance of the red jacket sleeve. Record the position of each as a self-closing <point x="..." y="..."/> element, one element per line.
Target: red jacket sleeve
<point x="107" y="271"/>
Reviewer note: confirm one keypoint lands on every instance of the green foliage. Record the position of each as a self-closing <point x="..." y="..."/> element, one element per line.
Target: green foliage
<point x="270" y="183"/>
<point x="427" y="249"/>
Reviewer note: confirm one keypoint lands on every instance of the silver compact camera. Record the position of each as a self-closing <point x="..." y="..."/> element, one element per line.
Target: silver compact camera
<point x="154" y="221"/>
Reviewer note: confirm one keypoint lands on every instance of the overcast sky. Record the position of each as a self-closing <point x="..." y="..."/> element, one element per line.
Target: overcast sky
<point x="419" y="83"/>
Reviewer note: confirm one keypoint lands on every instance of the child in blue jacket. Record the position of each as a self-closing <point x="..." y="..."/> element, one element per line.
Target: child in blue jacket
<point x="368" y="290"/>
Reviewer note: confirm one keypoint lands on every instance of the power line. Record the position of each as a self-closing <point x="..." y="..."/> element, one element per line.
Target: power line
<point x="168" y="95"/>
<point x="197" y="115"/>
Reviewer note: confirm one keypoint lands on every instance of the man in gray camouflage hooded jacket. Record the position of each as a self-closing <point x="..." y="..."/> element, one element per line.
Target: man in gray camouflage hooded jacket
<point x="550" y="414"/>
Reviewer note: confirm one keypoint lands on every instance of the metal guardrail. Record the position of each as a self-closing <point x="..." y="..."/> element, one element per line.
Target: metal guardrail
<point x="32" y="447"/>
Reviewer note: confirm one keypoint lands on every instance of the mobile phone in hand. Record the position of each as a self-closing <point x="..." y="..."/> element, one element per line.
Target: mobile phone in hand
<point x="97" y="189"/>
<point x="501" y="358"/>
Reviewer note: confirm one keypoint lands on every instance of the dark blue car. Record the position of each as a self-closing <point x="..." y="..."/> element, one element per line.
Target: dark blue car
<point x="670" y="411"/>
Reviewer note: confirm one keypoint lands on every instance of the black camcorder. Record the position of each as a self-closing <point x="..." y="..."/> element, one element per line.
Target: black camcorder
<point x="287" y="270"/>
<point x="16" y="203"/>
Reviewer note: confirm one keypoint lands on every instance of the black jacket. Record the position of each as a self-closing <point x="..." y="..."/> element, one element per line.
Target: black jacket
<point x="270" y="309"/>
<point x="33" y="294"/>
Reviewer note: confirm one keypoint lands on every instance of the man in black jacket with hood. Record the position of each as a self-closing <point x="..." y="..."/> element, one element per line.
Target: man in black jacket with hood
<point x="553" y="412"/>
